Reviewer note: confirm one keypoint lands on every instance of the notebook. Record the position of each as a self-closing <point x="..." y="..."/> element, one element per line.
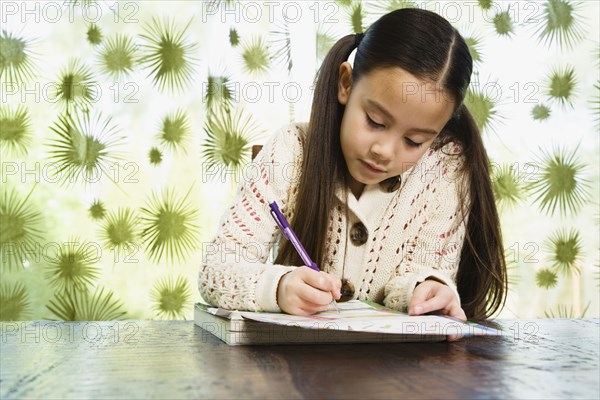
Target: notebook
<point x="356" y="321"/>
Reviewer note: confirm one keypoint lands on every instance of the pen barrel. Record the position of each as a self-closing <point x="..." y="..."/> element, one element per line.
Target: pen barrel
<point x="287" y="231"/>
<point x="303" y="254"/>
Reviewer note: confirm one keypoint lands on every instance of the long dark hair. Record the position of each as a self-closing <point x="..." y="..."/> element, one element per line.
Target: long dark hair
<point x="427" y="46"/>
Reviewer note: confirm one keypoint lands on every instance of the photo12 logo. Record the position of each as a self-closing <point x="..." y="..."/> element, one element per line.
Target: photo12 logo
<point x="57" y="172"/>
<point x="50" y="92"/>
<point x="290" y="12"/>
<point x="56" y="11"/>
<point x="254" y="92"/>
<point x="69" y="332"/>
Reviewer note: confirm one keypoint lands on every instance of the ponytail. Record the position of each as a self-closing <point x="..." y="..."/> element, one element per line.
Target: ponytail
<point x="323" y="165"/>
<point x="481" y="278"/>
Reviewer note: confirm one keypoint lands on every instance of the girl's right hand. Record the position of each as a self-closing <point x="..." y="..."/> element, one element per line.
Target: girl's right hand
<point x="305" y="291"/>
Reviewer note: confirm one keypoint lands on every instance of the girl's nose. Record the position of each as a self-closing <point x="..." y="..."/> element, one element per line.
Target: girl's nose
<point x="383" y="150"/>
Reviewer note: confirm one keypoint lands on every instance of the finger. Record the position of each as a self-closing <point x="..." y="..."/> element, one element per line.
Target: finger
<point x="307" y="307"/>
<point x="420" y="295"/>
<point x="319" y="280"/>
<point x="310" y="308"/>
<point x="433" y="304"/>
<point x="457" y="312"/>
<point x="311" y="295"/>
<point x="299" y="311"/>
<point x="299" y="306"/>
<point x="337" y="284"/>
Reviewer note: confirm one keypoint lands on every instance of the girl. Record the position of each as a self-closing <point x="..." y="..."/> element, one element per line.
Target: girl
<point x="387" y="187"/>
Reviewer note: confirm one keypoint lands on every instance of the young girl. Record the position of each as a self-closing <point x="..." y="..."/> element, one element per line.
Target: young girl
<point x="387" y="187"/>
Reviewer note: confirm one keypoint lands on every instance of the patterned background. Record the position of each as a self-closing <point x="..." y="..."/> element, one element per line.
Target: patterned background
<point x="125" y="125"/>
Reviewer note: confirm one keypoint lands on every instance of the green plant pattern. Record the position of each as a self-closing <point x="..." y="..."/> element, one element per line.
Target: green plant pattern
<point x="561" y="22"/>
<point x="84" y="148"/>
<point x="72" y="269"/>
<point x="166" y="53"/>
<point x="86" y="306"/>
<point x="94" y="34"/>
<point x="16" y="58"/>
<point x="119" y="231"/>
<point x="171" y="297"/>
<point x="559" y="183"/>
<point x="15" y="130"/>
<point x="19" y="228"/>
<point x="14" y="302"/>
<point x="503" y="23"/>
<point x="123" y="139"/>
<point x="117" y="56"/>
<point x="255" y="55"/>
<point x="97" y="210"/>
<point x="168" y="226"/>
<point x="507" y="186"/>
<point x="75" y="88"/>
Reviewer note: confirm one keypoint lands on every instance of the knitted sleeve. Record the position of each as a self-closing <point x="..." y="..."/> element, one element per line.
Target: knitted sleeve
<point x="435" y="230"/>
<point x="235" y="273"/>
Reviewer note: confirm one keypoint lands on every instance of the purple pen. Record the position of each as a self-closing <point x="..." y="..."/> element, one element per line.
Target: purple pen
<point x="287" y="231"/>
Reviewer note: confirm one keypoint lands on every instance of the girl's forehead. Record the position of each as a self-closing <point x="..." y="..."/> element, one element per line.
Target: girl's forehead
<point x="397" y="89"/>
<point x="400" y="81"/>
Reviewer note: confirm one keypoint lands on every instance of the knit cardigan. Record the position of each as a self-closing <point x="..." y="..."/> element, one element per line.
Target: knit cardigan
<point x="414" y="233"/>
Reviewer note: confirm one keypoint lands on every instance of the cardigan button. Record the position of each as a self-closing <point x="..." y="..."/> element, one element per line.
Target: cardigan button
<point x="358" y="234"/>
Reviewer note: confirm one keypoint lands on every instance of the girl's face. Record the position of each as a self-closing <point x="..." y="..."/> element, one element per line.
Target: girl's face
<point x="390" y="120"/>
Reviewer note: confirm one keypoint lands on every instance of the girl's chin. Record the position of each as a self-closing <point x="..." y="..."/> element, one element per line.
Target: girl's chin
<point x="362" y="180"/>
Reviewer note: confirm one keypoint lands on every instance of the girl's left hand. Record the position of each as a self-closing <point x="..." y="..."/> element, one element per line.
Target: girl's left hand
<point x="432" y="295"/>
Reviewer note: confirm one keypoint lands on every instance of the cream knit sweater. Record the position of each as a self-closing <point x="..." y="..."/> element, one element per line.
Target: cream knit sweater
<point x="414" y="233"/>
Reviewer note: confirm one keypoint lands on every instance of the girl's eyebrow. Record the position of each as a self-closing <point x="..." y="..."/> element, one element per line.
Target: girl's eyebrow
<point x="389" y="116"/>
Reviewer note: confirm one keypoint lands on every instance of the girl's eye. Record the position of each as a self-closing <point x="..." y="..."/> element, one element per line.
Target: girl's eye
<point x="373" y="123"/>
<point x="413" y="144"/>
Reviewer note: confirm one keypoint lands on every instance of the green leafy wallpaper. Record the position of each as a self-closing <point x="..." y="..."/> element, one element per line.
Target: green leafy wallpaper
<point x="125" y="126"/>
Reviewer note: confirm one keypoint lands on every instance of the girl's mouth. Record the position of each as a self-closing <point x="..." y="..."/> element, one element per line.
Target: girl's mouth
<point x="373" y="168"/>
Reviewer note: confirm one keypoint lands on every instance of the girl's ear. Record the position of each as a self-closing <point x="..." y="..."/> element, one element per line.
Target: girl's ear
<point x="344" y="82"/>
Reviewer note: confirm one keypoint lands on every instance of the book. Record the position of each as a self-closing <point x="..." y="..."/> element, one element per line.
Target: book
<point x="356" y="321"/>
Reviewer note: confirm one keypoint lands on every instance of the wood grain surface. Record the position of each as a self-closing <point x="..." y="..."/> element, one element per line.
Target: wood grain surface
<point x="542" y="359"/>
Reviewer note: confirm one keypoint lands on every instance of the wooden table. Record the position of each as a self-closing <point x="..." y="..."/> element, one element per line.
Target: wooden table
<point x="543" y="359"/>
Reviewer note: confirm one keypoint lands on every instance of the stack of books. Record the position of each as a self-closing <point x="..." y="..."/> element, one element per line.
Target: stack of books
<point x="355" y="321"/>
